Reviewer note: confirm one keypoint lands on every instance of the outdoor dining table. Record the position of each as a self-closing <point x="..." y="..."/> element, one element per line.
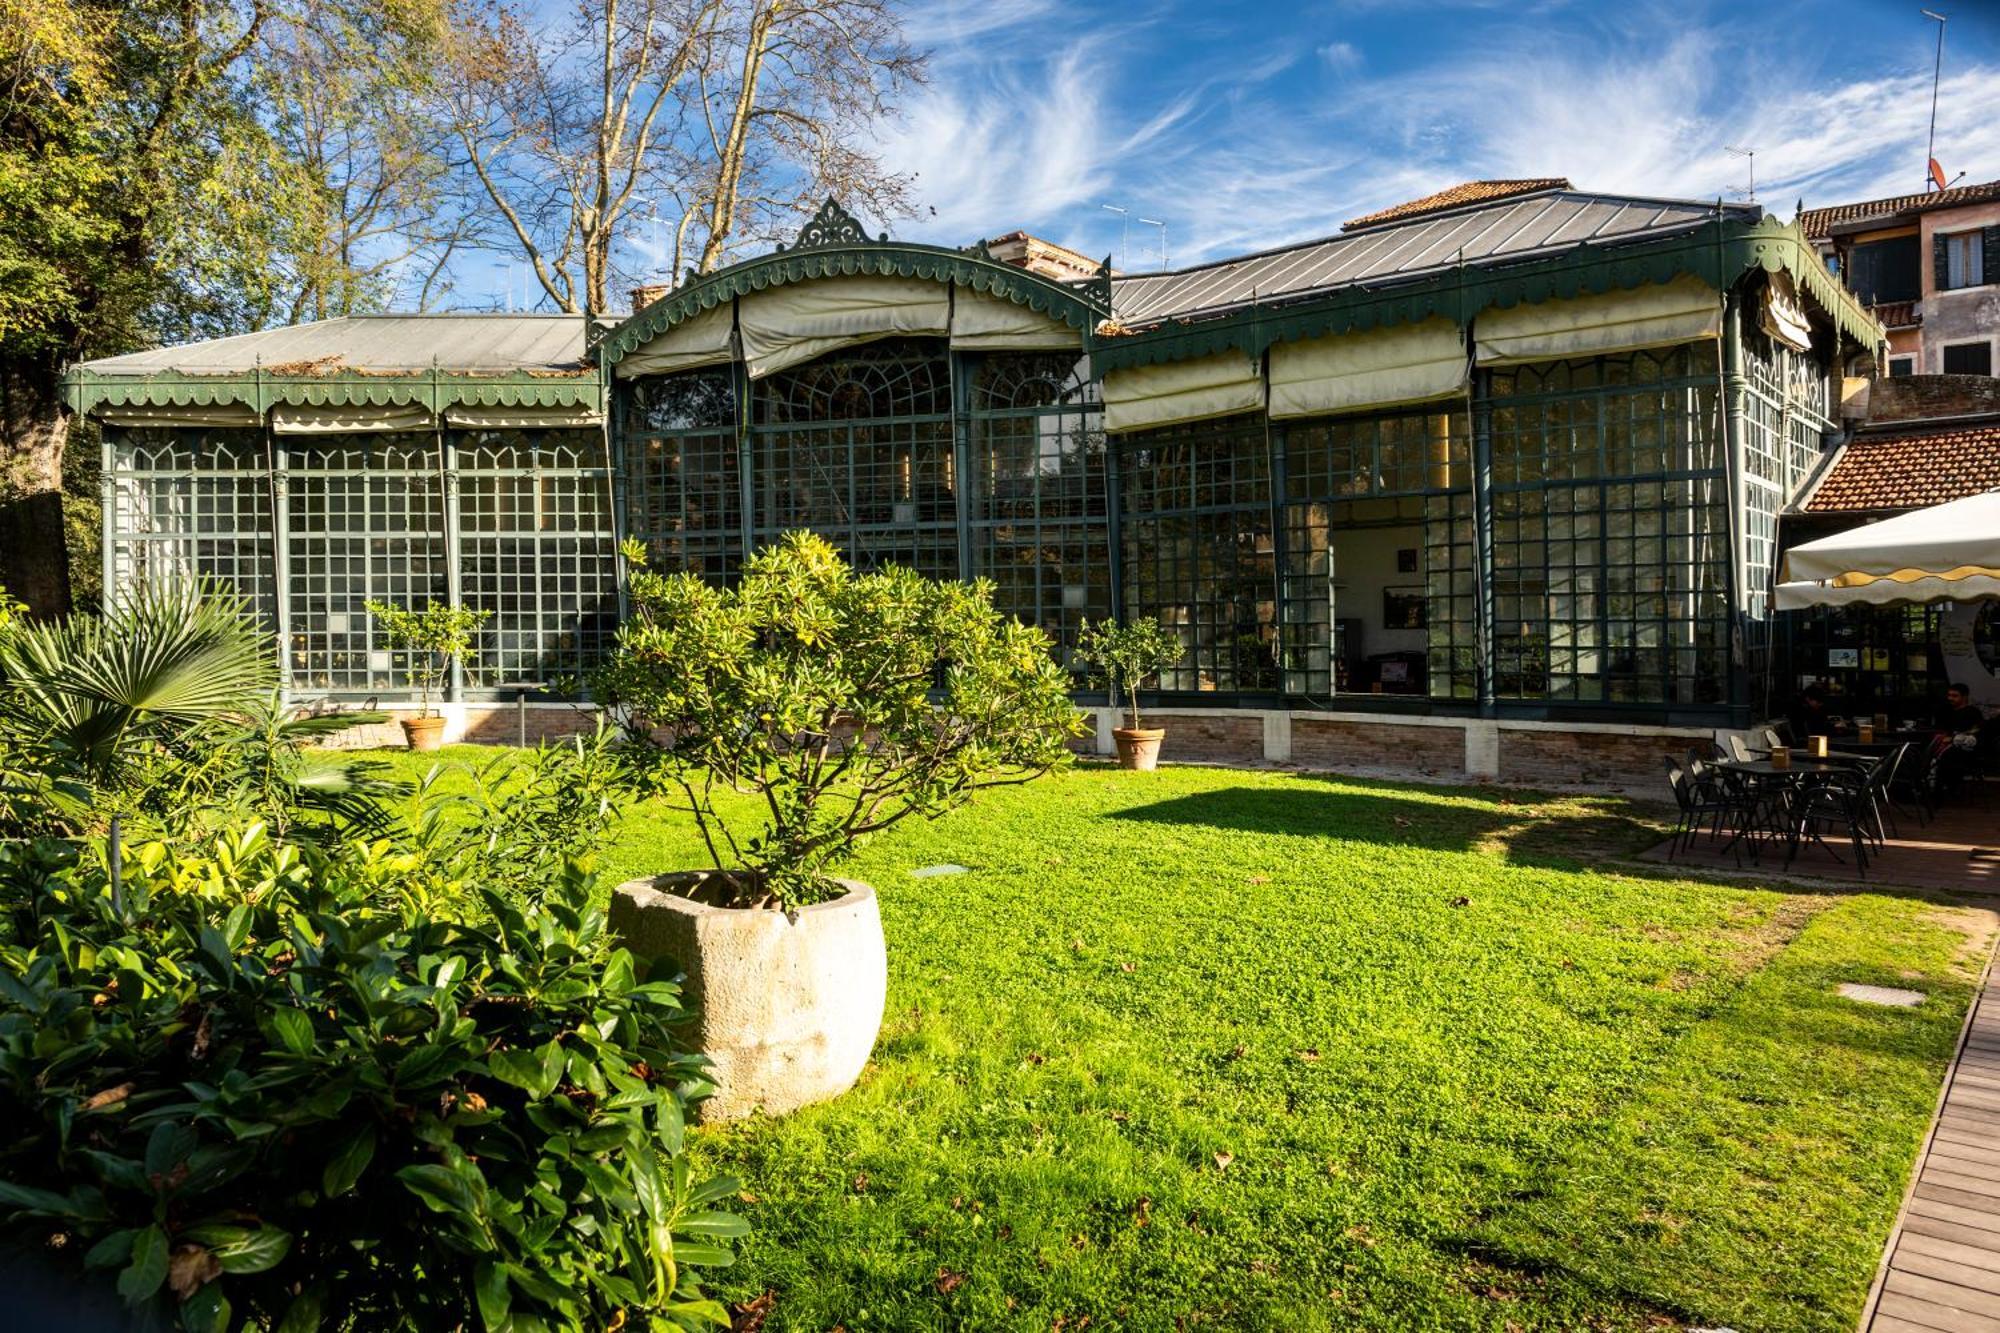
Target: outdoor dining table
<point x="1833" y="763"/>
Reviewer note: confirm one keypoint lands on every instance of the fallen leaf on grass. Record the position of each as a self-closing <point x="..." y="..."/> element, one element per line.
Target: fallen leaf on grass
<point x="1128" y="967"/>
<point x="1258" y="879"/>
<point x="1309" y="1055"/>
<point x="751" y="1314"/>
<point x="1461" y="901"/>
<point x="948" y="1281"/>
<point x="1239" y="1052"/>
<point x="1223" y="1159"/>
<point x="861" y="1183"/>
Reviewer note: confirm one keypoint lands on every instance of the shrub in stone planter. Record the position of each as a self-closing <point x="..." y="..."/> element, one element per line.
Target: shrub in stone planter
<point x="845" y="703"/>
<point x="436" y="638"/>
<point x="1128" y="655"/>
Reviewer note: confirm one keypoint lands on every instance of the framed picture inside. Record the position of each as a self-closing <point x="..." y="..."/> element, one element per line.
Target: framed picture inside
<point x="1406" y="560"/>
<point x="1403" y="608"/>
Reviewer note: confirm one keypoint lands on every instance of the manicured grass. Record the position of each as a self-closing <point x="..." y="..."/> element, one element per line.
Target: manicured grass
<point x="1219" y="1049"/>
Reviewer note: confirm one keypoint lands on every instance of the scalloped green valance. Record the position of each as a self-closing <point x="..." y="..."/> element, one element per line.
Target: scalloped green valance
<point x="1079" y="308"/>
<point x="434" y="393"/>
<point x="1717" y="252"/>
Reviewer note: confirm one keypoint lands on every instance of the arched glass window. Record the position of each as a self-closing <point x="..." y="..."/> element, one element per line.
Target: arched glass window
<point x="683" y="497"/>
<point x="857" y="446"/>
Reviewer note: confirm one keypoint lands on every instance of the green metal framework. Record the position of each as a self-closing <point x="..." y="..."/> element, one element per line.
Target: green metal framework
<point x="1591" y="536"/>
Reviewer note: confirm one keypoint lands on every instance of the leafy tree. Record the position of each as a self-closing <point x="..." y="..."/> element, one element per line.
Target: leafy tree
<point x="847" y="702"/>
<point x="436" y="638"/>
<point x="1129" y="655"/>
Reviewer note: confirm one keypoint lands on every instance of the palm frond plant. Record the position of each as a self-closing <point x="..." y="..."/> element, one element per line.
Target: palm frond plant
<point x="93" y="705"/>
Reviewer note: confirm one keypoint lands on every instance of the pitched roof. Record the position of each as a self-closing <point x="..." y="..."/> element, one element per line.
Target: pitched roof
<point x="1820" y="223"/>
<point x="1456" y="196"/>
<point x="1911" y="468"/>
<point x="395" y="343"/>
<point x="1504" y="231"/>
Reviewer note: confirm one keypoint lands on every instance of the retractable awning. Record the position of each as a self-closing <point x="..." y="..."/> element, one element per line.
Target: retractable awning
<point x="1946" y="553"/>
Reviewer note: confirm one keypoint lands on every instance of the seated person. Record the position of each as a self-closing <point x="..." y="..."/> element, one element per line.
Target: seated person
<point x="1958" y="713"/>
<point x="1960" y="720"/>
<point x="1809" y="716"/>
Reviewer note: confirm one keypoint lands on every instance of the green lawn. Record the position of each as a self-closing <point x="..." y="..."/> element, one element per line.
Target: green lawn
<point x="1235" y="1050"/>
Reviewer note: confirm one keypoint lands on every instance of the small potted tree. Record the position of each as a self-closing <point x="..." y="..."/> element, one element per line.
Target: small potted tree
<point x="435" y="638"/>
<point x="791" y="715"/>
<point x="1128" y="655"/>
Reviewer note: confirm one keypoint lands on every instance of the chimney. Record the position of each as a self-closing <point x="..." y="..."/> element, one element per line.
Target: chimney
<point x="645" y="295"/>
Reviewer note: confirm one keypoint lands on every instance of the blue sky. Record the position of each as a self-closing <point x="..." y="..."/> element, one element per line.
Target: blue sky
<point x="1247" y="126"/>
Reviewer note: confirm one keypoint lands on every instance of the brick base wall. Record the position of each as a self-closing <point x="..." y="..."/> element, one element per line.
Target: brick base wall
<point x="474" y="724"/>
<point x="1216" y="738"/>
<point x="1591" y="759"/>
<point x="1378" y="747"/>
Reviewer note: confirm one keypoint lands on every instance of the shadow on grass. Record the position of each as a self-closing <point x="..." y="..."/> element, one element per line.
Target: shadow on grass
<point x="1550" y="831"/>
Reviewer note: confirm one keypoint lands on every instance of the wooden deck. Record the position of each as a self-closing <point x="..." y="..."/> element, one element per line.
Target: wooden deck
<point x="1941" y="1273"/>
<point x="1937" y="855"/>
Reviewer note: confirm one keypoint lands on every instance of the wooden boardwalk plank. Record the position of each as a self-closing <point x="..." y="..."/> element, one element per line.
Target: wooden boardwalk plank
<point x="1941" y="1270"/>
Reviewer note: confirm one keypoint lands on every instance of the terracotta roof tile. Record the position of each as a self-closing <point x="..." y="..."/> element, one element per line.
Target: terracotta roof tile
<point x="1909" y="469"/>
<point x="1468" y="192"/>
<point x="1820" y="222"/>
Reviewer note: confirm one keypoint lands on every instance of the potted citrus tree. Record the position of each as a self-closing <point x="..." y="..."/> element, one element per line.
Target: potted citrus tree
<point x="791" y="715"/>
<point x="1128" y="655"/>
<point x="435" y="638"/>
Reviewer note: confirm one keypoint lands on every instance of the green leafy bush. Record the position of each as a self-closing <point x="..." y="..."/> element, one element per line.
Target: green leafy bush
<point x="1129" y="655"/>
<point x="848" y="702"/>
<point x="435" y="638"/>
<point x="258" y="1093"/>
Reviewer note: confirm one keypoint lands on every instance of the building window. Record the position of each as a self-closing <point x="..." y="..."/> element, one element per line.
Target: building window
<point x="1199" y="551"/>
<point x="535" y="549"/>
<point x="1884" y="271"/>
<point x="683" y="497"/>
<point x="1968" y="358"/>
<point x="365" y="520"/>
<point x="1378" y="569"/>
<point x="1036" y="495"/>
<point x="1964" y="260"/>
<point x="1611" y="531"/>
<point x="1899" y="366"/>
<point x="193" y="504"/>
<point x="858" y="447"/>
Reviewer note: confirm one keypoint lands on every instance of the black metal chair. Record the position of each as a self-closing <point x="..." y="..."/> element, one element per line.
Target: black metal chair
<point x="1701" y="804"/>
<point x="1837" y="803"/>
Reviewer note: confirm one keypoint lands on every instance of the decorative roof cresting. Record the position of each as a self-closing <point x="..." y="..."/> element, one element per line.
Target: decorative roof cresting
<point x="831" y="225"/>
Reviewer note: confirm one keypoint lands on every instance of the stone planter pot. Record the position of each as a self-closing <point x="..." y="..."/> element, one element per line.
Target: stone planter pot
<point x="788" y="1009"/>
<point x="1138" y="747"/>
<point x="423" y="733"/>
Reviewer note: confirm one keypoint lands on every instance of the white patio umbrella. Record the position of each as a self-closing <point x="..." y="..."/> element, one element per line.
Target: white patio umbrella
<point x="1946" y="553"/>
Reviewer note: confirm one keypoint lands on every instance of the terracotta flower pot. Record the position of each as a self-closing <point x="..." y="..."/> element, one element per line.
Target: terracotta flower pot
<point x="1138" y="747"/>
<point x="423" y="733"/>
<point x="787" y="1004"/>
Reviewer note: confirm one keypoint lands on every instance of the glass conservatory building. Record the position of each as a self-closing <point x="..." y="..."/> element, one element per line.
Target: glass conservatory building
<point x="1516" y="462"/>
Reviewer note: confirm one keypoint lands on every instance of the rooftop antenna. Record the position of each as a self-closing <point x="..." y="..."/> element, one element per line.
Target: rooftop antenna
<point x="1749" y="192"/>
<point x="1124" y="233"/>
<point x="1155" y="222"/>
<point x="1934" y="174"/>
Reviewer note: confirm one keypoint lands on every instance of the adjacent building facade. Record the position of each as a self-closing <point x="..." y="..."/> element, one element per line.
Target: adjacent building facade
<point x="1488" y="484"/>
<point x="1926" y="265"/>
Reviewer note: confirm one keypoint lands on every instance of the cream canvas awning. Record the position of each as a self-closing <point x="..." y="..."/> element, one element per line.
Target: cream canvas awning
<point x="1650" y="315"/>
<point x="1784" y="318"/>
<point x="787" y="326"/>
<point x="1209" y="386"/>
<point x="982" y="321"/>
<point x="166" y="414"/>
<point x="472" y="416"/>
<point x="291" y="420"/>
<point x="706" y="339"/>
<point x="1413" y="363"/>
<point x="1948" y="552"/>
